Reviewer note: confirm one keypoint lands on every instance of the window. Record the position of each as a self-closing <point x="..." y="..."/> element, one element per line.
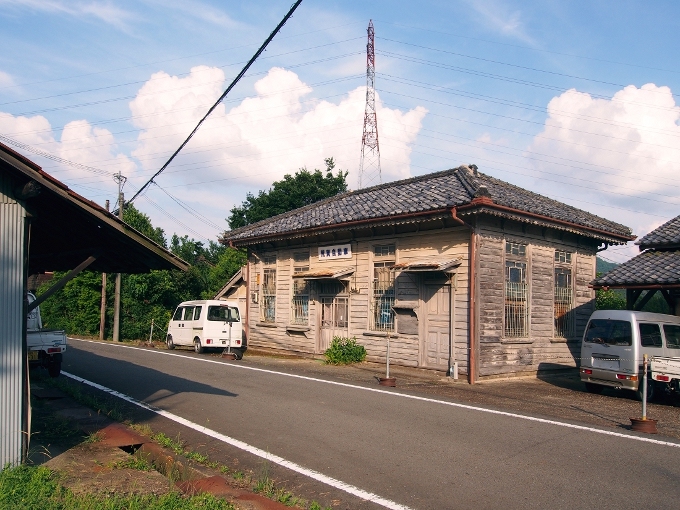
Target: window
<point x="223" y="313"/>
<point x="197" y="312"/>
<point x="672" y="336"/>
<point x="178" y="314"/>
<point x="300" y="303"/>
<point x="563" y="295"/>
<point x="382" y="315"/>
<point x="189" y="313"/>
<point x="268" y="306"/>
<point x="516" y="291"/>
<point x="650" y="335"/>
<point x="610" y="332"/>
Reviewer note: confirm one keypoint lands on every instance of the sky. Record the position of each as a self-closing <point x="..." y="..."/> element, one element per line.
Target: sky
<point x="573" y="100"/>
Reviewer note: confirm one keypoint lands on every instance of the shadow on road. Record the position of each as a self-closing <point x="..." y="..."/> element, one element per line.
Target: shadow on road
<point x="139" y="381"/>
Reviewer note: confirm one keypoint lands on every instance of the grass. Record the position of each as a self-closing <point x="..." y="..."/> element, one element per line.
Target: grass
<point x="111" y="407"/>
<point x="134" y="462"/>
<point x="29" y="488"/>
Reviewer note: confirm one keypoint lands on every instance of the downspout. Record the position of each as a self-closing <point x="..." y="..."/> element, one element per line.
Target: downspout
<point x="472" y="309"/>
<point x="247" y="321"/>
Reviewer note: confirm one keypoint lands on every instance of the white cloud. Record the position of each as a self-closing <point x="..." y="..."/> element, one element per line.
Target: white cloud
<point x="624" y="152"/>
<point x="498" y="17"/>
<point x="6" y="79"/>
<point x="79" y="143"/>
<point x="276" y="131"/>
<point x="104" y="11"/>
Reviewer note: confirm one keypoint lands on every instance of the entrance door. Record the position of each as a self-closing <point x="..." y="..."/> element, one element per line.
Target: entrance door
<point x="334" y="320"/>
<point x="437" y="326"/>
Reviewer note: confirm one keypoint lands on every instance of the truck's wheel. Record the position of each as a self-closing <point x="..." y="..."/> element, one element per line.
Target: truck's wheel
<point x="197" y="346"/>
<point x="651" y="387"/>
<point x="54" y="368"/>
<point x="169" y="342"/>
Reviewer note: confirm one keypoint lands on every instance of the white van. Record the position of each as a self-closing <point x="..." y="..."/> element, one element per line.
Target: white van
<point x="207" y="324"/>
<point x="614" y="343"/>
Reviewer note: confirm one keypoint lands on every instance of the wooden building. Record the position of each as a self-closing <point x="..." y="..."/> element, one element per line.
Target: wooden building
<point x="461" y="270"/>
<point x="656" y="269"/>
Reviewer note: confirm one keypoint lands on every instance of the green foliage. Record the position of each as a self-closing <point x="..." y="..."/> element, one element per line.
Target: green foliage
<point x="290" y="193"/>
<point x="344" y="351"/>
<point x="610" y="299"/>
<point x="28" y="488"/>
<point x="144" y="297"/>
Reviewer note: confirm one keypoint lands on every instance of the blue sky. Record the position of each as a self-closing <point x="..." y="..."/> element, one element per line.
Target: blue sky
<point x="573" y="100"/>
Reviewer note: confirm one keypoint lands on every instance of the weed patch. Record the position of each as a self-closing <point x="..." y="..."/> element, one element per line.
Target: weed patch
<point x="343" y="351"/>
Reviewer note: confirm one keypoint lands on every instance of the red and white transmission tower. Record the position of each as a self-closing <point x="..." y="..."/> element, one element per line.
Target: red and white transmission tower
<point x="369" y="168"/>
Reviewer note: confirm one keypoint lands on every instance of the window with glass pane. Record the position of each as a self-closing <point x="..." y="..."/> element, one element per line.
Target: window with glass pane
<point x="563" y="302"/>
<point x="672" y="336"/>
<point x="268" y="307"/>
<point x="300" y="302"/>
<point x="515" y="249"/>
<point x="382" y="315"/>
<point x="563" y="257"/>
<point x="516" y="296"/>
<point x="650" y="335"/>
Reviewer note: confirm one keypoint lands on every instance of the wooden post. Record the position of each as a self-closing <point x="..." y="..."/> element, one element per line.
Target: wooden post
<point x="116" y="299"/>
<point x="102" y="308"/>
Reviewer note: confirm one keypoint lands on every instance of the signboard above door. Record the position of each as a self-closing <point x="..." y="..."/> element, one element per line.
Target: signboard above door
<point x="337" y="251"/>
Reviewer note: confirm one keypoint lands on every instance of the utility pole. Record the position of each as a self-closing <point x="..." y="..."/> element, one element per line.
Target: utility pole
<point x="116" y="300"/>
<point x="102" y="313"/>
<point x="369" y="168"/>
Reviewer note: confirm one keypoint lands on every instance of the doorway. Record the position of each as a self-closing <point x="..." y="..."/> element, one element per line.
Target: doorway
<point x="334" y="320"/>
<point x="437" y="337"/>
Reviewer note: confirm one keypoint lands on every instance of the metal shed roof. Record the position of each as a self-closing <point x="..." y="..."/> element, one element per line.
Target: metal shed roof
<point x="66" y="228"/>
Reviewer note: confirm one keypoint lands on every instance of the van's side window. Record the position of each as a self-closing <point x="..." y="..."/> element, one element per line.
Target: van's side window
<point x="188" y="313"/>
<point x="672" y="336"/>
<point x="197" y="312"/>
<point x="178" y="314"/>
<point x="650" y="335"/>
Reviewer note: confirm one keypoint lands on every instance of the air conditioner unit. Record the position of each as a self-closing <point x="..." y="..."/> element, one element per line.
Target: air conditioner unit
<point x="255" y="297"/>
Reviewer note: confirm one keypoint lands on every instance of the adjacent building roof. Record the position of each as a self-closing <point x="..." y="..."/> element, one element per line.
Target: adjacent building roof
<point x="665" y="236"/>
<point x="67" y="228"/>
<point x="428" y="194"/>
<point x="650" y="268"/>
<point x="234" y="281"/>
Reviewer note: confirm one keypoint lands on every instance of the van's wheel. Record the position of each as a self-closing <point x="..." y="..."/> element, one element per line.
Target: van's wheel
<point x="651" y="387"/>
<point x="197" y="346"/>
<point x="594" y="388"/>
<point x="238" y="353"/>
<point x="169" y="342"/>
<point x="54" y="368"/>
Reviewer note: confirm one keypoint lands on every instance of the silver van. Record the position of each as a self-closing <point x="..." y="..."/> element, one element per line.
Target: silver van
<point x="613" y="345"/>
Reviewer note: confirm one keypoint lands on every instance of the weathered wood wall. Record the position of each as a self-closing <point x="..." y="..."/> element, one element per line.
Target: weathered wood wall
<point x="541" y="349"/>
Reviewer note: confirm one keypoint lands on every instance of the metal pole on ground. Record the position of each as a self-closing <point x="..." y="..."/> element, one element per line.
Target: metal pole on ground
<point x="116" y="302"/>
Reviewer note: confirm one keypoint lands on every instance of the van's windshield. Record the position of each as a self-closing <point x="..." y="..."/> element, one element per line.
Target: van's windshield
<point x="610" y="332"/>
<point x="223" y="313"/>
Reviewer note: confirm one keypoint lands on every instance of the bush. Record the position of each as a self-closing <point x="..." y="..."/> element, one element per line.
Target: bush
<point x="344" y="351"/>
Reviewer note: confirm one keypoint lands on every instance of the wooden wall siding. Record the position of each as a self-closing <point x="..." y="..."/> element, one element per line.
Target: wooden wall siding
<point x="405" y="349"/>
<point x="541" y="275"/>
<point x="490" y="288"/>
<point x="540" y="350"/>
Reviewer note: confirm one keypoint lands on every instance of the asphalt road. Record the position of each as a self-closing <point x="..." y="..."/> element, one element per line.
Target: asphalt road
<point x="421" y="454"/>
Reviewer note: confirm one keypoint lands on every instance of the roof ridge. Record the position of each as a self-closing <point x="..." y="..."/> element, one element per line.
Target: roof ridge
<point x="339" y="196"/>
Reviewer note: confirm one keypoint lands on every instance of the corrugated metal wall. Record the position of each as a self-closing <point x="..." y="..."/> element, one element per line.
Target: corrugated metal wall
<point x="12" y="217"/>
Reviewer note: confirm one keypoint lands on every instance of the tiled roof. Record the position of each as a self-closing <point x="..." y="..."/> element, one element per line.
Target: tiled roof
<point x="649" y="268"/>
<point x="420" y="195"/>
<point x="666" y="235"/>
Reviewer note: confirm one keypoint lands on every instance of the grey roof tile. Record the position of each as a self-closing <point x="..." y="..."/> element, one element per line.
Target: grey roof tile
<point x="649" y="268"/>
<point x="664" y="236"/>
<point x="429" y="192"/>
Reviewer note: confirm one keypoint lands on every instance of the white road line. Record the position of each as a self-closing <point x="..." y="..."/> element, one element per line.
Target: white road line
<point x="351" y="489"/>
<point x="413" y="397"/>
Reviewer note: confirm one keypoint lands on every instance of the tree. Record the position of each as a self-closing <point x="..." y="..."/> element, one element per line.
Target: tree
<point x="144" y="297"/>
<point x="290" y="193"/>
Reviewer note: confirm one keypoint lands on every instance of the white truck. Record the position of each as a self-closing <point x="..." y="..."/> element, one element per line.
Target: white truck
<point x="45" y="346"/>
<point x="666" y="370"/>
